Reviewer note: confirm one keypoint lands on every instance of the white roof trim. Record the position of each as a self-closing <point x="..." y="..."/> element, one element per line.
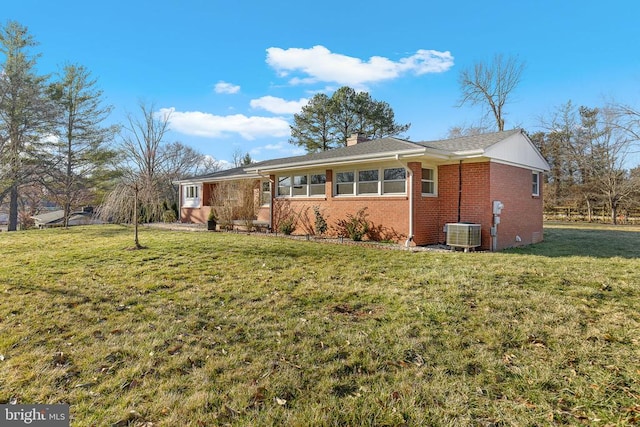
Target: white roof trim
<point x="518" y="150"/>
<point x="378" y="157"/>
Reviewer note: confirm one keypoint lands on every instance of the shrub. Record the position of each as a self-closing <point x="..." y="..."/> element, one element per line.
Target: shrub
<point x="304" y="221"/>
<point x="321" y="224"/>
<point x="354" y="226"/>
<point x="284" y="217"/>
<point x="287" y="225"/>
<point x="169" y="216"/>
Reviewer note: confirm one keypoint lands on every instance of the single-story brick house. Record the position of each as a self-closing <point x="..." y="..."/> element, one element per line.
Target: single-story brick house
<point x="411" y="190"/>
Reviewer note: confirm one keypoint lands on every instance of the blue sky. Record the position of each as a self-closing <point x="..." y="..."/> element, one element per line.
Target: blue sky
<point x="233" y="73"/>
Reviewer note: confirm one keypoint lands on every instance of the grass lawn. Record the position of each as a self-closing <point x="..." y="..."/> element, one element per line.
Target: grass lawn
<point x="203" y="329"/>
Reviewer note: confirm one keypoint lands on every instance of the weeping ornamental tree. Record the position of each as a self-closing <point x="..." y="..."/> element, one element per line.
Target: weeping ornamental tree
<point x="326" y="122"/>
<point x="139" y="195"/>
<point x="148" y="167"/>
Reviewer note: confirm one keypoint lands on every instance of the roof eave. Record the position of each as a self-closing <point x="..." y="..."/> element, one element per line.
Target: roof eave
<point x="391" y="155"/>
<point x="467" y="154"/>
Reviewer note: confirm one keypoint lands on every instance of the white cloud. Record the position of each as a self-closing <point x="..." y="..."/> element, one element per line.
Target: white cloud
<point x="283" y="149"/>
<point x="209" y="125"/>
<point x="278" y="105"/>
<point x="224" y="87"/>
<point x="318" y="64"/>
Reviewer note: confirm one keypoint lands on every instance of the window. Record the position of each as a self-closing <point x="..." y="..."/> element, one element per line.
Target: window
<point x="299" y="185"/>
<point x="284" y="186"/>
<point x="344" y="183"/>
<point x="191" y="192"/>
<point x="317" y="184"/>
<point x="428" y="181"/>
<point x="266" y="193"/>
<point x="368" y="182"/>
<point x="535" y="184"/>
<point x="191" y="196"/>
<point x="302" y="185"/>
<point x="394" y="180"/>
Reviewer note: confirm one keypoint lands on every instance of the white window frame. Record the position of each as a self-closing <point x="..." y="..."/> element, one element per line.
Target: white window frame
<point x="364" y="183"/>
<point x="345" y="184"/>
<point x="280" y="180"/>
<point x="191" y="195"/>
<point x="535" y="184"/>
<point x="300" y="185"/>
<point x="385" y="181"/>
<point x="433" y="181"/>
<point x="265" y="194"/>
<point x="380" y="182"/>
<point x="317" y="189"/>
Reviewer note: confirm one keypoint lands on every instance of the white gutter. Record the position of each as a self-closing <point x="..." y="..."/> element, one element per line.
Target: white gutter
<point x="410" y="193"/>
<point x="350" y="160"/>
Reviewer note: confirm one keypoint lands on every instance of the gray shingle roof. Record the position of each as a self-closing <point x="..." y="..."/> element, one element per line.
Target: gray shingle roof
<point x="469" y="143"/>
<point x="364" y="149"/>
<point x="376" y="146"/>
<point x="373" y="147"/>
<point x="217" y="175"/>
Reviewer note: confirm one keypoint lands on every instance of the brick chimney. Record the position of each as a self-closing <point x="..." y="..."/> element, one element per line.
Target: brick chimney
<point x="356" y="138"/>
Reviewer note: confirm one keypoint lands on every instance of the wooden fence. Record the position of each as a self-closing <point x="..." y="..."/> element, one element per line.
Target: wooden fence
<point x="599" y="214"/>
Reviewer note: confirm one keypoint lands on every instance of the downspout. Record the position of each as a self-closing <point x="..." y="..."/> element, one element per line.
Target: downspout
<point x="410" y="192"/>
<point x="459" y="189"/>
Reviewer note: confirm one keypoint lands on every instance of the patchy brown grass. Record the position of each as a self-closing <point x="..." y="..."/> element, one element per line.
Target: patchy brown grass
<point x="229" y="329"/>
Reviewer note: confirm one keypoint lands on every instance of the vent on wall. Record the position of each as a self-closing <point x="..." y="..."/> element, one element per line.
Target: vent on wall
<point x="462" y="235"/>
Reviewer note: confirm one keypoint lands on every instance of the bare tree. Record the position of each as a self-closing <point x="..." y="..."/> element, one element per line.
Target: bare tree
<point x="557" y="144"/>
<point x="466" y="130"/>
<point x="609" y="156"/>
<point x="149" y="168"/>
<point x="491" y="84"/>
<point x="588" y="150"/>
<point x="141" y="148"/>
<point x="241" y="158"/>
<point x="177" y="161"/>
<point x="628" y="121"/>
<point x="236" y="200"/>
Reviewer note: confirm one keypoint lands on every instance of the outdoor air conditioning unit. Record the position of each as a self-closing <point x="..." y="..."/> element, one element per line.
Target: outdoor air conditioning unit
<point x="463" y="235"/>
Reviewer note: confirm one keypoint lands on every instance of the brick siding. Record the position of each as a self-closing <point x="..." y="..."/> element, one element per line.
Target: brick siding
<point x="482" y="183"/>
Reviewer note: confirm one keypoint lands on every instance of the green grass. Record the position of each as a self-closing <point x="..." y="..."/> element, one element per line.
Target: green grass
<point x="204" y="329"/>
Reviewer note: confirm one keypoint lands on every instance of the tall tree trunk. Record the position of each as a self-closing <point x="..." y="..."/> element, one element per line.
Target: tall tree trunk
<point x="13" y="209"/>
<point x="67" y="213"/>
<point x="135" y="218"/>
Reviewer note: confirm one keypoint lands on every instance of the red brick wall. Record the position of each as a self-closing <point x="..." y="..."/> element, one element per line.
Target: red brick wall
<point x="425" y="221"/>
<point x="389" y="215"/>
<point x="482" y="183"/>
<point x="475" y="206"/>
<point x="194" y="215"/>
<point x="521" y="217"/>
